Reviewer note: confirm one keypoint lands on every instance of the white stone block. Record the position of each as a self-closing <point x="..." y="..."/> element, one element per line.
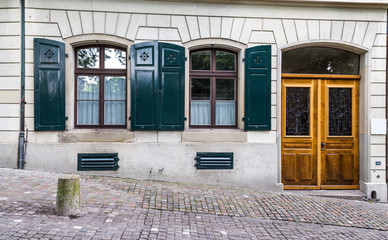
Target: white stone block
<point x="378" y="162"/>
<point x="273" y="99"/>
<point x="313" y="27"/>
<point x="378" y="64"/>
<point x="237" y="26"/>
<point x="29" y="83"/>
<point x="136" y="21"/>
<point x="274" y="61"/>
<point x="204" y="27"/>
<point x="262" y="37"/>
<point x="336" y="30"/>
<point x="75" y="22"/>
<point x="9" y="29"/>
<point x="301" y="29"/>
<point x="87" y="22"/>
<point x="276" y="26"/>
<point x="169" y="34"/>
<point x="11" y="124"/>
<point x="273" y="112"/>
<point x="377" y="150"/>
<point x="381" y="39"/>
<point x="9" y="110"/>
<point x="377" y="101"/>
<point x="29" y="69"/>
<point x="99" y="22"/>
<point x="158" y="21"/>
<point x="249" y="26"/>
<point x="378" y="76"/>
<point x="290" y="30"/>
<point x="378" y="126"/>
<point x="10" y="42"/>
<point x="60" y="17"/>
<point x="273" y="86"/>
<point x="37" y="15"/>
<point x="29" y="54"/>
<point x="9" y="56"/>
<point x="377" y="113"/>
<point x="378" y="89"/>
<point x="379" y="52"/>
<point x="226" y="27"/>
<point x="261" y="137"/>
<point x="180" y="23"/>
<point x="122" y="24"/>
<point x="359" y="32"/>
<point x="111" y="23"/>
<point x="146" y="136"/>
<point x="215" y="27"/>
<point x="10" y="69"/>
<point x="29" y="94"/>
<point x="146" y="33"/>
<point x="192" y="23"/>
<point x="378" y="176"/>
<point x="325" y="30"/>
<point x="348" y="32"/>
<point x="169" y="137"/>
<point x="9" y="83"/>
<point x="377" y="139"/>
<point x="11" y="15"/>
<point x="273" y="124"/>
<point x="273" y="73"/>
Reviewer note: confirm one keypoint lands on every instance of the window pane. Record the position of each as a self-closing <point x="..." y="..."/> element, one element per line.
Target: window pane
<point x="200" y="89"/>
<point x="297" y="111"/>
<point x="87" y="112"/>
<point x="88" y="88"/>
<point x="340" y="112"/>
<point x="225" y="89"/>
<point x="225" y="112"/>
<point x="115" y="88"/>
<point x="320" y="60"/>
<point x="200" y="113"/>
<point x="201" y="60"/>
<point x="225" y="61"/>
<point x="115" y="58"/>
<point x="114" y="112"/>
<point x="88" y="58"/>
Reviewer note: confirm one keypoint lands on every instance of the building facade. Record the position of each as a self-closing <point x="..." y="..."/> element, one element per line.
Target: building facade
<point x="268" y="95"/>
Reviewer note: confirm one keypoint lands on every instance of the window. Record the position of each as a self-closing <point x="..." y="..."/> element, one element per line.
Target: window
<point x="213" y="77"/>
<point x="100" y="86"/>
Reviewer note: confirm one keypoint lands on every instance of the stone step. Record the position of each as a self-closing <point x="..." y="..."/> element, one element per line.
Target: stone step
<point x="341" y="194"/>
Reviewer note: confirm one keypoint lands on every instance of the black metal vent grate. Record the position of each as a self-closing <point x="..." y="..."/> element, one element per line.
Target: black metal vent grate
<point x="211" y="160"/>
<point x="97" y="161"/>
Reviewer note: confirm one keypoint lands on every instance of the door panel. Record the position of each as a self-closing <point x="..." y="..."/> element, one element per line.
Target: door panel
<point x="320" y="132"/>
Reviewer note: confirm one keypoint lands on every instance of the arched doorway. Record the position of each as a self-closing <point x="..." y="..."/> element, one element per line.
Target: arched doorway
<point x="320" y="112"/>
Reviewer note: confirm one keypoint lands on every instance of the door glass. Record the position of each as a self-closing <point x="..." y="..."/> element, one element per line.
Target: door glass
<point x="297" y="111"/>
<point x="340" y="111"/>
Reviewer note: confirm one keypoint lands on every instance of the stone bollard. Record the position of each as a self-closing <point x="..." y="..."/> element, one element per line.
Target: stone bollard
<point x="68" y="196"/>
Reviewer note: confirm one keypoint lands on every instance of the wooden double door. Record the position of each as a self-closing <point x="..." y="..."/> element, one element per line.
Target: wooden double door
<point x="320" y="148"/>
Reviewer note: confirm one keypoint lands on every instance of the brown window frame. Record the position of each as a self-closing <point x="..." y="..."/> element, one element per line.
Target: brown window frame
<point x="101" y="72"/>
<point x="213" y="74"/>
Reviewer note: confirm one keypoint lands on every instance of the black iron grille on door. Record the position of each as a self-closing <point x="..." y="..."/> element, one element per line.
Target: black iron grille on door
<point x="211" y="160"/>
<point x="97" y="161"/>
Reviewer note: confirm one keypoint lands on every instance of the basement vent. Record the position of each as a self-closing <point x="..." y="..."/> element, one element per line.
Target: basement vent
<point x="211" y="160"/>
<point x="97" y="161"/>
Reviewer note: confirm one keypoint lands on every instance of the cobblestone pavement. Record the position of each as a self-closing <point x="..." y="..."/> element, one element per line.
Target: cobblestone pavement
<point x="114" y="208"/>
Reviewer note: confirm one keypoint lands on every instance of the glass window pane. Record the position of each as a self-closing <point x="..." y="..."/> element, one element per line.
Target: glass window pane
<point x="225" y="89"/>
<point x="88" y="58"/>
<point x="297" y="111"/>
<point x="340" y="112"/>
<point x="115" y="58"/>
<point x="88" y="88"/>
<point x="201" y="60"/>
<point x="115" y="88"/>
<point x="320" y="60"/>
<point x="200" y="89"/>
<point x="114" y="112"/>
<point x="200" y="113"/>
<point x="225" y="61"/>
<point x="225" y="112"/>
<point x="87" y="112"/>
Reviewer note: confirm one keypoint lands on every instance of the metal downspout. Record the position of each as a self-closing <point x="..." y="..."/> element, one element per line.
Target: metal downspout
<point x="21" y="146"/>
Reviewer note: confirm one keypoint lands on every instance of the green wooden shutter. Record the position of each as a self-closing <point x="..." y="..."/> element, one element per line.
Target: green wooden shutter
<point x="258" y="88"/>
<point x="49" y="84"/>
<point x="172" y="86"/>
<point x="144" y="86"/>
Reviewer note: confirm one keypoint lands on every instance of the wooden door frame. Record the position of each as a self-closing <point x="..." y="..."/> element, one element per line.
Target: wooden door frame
<point x="319" y="134"/>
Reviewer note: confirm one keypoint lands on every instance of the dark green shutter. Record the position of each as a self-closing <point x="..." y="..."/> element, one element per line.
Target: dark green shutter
<point x="49" y="85"/>
<point x="144" y="86"/>
<point x="258" y="88"/>
<point x="172" y="87"/>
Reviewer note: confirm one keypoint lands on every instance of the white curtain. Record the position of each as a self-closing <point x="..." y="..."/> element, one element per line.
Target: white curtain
<point x="114" y="110"/>
<point x="225" y="112"/>
<point x="88" y="89"/>
<point x="200" y="113"/>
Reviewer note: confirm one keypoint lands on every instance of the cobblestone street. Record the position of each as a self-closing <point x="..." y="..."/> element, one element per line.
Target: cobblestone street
<point x="115" y="208"/>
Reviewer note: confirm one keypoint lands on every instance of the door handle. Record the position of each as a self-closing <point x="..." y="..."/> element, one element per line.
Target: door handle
<point x="323" y="146"/>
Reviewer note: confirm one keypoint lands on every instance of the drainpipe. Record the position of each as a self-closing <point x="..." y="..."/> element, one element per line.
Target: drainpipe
<point x="22" y="141"/>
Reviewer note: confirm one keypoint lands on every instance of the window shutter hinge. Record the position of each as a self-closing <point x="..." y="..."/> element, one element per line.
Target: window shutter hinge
<point x="66" y="55"/>
<point x="243" y="60"/>
<point x="243" y="119"/>
<point x="129" y="57"/>
<point x="185" y="118"/>
<point x="129" y="118"/>
<point x="186" y="59"/>
<point x="66" y="118"/>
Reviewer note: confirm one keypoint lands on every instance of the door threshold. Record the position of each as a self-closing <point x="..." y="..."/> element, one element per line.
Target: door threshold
<point x="323" y="187"/>
<point x="300" y="187"/>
